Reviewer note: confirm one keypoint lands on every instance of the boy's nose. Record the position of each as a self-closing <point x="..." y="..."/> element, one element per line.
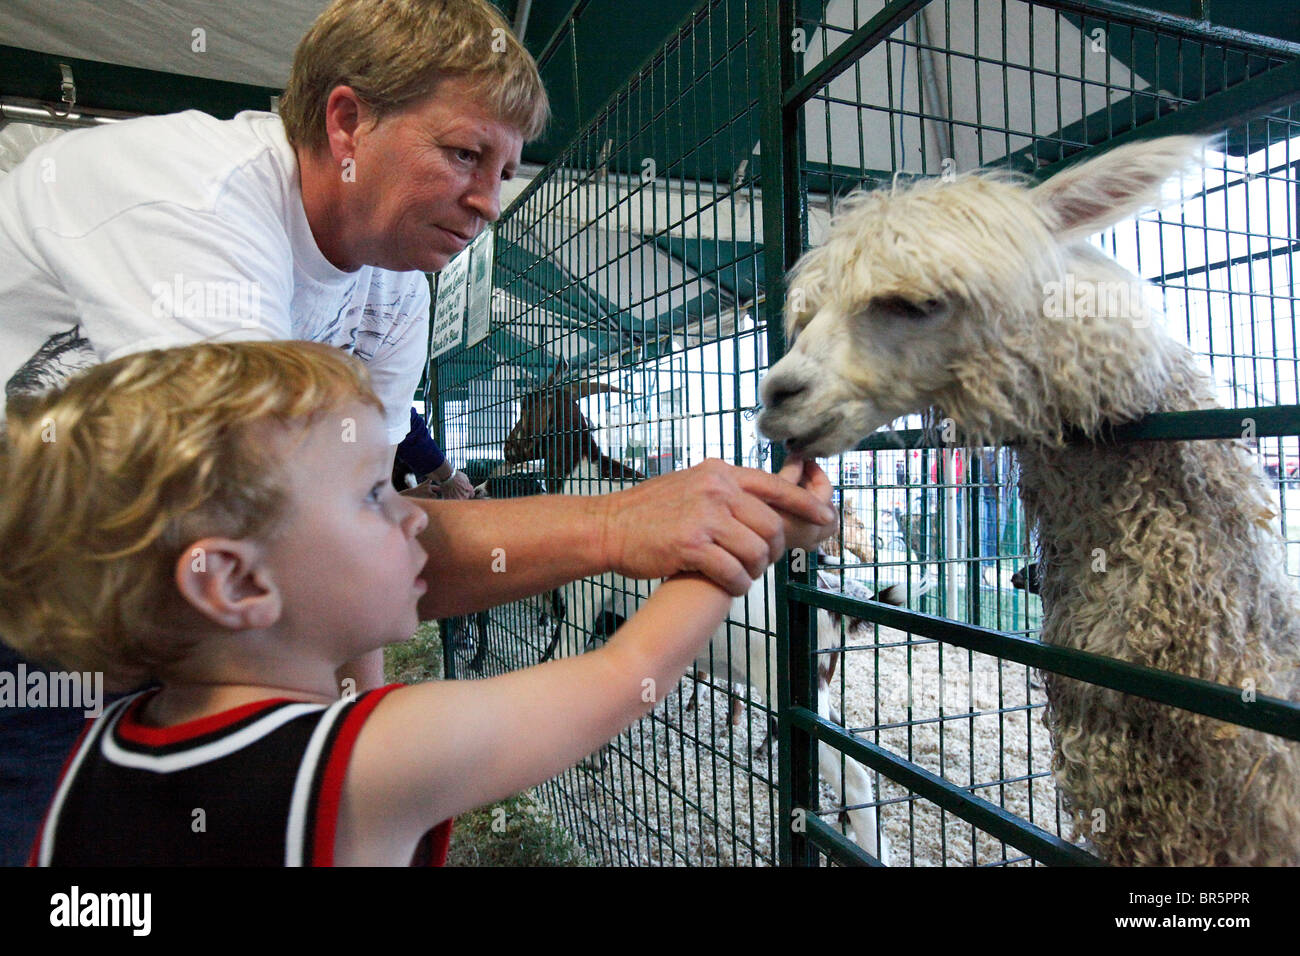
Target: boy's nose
<point x="414" y="519"/>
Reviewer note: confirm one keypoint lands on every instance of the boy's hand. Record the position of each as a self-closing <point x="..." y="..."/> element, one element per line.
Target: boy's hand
<point x="809" y="476"/>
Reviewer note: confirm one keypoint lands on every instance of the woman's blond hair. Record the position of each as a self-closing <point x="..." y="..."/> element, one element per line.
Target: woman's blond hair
<point x="393" y="53"/>
<point x="105" y="482"/>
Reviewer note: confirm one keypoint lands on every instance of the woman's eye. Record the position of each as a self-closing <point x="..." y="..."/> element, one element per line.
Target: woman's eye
<point x="467" y="156"/>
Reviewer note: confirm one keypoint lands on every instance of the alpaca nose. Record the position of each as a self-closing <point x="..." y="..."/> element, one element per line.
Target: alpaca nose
<point x="777" y="392"/>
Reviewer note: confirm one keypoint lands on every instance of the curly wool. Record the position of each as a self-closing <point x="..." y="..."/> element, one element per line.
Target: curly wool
<point x="1194" y="582"/>
<point x="1165" y="554"/>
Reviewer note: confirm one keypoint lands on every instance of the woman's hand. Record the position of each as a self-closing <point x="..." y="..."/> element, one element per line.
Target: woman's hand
<point x="726" y="522"/>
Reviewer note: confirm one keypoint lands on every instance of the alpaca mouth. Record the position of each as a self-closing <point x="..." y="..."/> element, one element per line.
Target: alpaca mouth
<point x="809" y="442"/>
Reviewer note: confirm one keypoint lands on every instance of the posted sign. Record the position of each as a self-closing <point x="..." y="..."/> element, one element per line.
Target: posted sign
<point x="449" y="308"/>
<point x="479" y="321"/>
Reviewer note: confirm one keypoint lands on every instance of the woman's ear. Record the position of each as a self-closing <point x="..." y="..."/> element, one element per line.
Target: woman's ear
<point x="227" y="581"/>
<point x="345" y="115"/>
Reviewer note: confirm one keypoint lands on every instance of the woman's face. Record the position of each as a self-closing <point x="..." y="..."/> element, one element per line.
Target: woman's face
<point x="429" y="178"/>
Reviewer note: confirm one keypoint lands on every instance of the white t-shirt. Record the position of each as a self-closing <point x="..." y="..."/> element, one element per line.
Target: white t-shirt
<point x="169" y="230"/>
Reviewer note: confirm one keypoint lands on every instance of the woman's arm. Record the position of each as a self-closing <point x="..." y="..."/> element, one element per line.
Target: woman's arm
<point x="727" y="523"/>
<point x="435" y="750"/>
<point x="485" y="553"/>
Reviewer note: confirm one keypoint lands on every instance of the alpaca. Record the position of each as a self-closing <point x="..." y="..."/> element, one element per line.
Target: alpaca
<point x="947" y="297"/>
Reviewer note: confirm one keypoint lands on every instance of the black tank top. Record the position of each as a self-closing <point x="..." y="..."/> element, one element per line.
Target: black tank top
<point x="258" y="785"/>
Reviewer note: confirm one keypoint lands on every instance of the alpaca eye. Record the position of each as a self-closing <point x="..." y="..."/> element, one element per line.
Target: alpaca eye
<point x="906" y="308"/>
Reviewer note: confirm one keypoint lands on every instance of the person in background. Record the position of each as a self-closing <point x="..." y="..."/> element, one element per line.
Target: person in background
<point x="419" y="461"/>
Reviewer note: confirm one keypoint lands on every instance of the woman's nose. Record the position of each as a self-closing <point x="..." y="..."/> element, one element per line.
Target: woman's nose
<point x="485" y="198"/>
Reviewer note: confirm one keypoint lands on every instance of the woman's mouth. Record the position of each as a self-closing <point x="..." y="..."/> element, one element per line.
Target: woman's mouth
<point x="459" y="239"/>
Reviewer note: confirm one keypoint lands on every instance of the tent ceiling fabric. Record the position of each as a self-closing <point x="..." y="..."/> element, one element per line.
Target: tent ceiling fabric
<point x="238" y="44"/>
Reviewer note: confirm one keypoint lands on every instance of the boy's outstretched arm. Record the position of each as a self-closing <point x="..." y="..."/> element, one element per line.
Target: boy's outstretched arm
<point x="435" y="750"/>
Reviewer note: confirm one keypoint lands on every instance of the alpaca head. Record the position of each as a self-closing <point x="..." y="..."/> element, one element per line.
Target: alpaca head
<point x="979" y="298"/>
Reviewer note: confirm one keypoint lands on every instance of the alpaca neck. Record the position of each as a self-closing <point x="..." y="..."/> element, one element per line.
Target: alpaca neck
<point x="1083" y="493"/>
<point x="1124" y="364"/>
<point x="1134" y="528"/>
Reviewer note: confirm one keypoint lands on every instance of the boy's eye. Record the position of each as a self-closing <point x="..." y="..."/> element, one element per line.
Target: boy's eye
<point x="377" y="491"/>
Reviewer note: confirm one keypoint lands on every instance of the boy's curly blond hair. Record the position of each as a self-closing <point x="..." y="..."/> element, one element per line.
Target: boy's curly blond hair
<point x="393" y="53"/>
<point x="105" y="482"/>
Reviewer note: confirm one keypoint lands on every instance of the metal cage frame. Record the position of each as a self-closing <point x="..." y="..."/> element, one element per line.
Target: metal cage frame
<point x="1264" y="89"/>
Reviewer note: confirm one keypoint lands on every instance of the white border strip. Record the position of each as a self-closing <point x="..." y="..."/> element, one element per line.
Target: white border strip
<point x="102" y="725"/>
<point x="294" y="834"/>
<point x="183" y="760"/>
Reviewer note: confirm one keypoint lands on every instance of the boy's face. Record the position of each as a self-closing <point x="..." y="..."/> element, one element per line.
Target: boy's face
<point x="346" y="559"/>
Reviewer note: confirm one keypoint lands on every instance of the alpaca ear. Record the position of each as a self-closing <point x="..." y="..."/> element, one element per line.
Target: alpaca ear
<point x="1087" y="197"/>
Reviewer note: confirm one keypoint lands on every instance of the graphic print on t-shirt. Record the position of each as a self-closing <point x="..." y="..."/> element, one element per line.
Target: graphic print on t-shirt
<point x="57" y="360"/>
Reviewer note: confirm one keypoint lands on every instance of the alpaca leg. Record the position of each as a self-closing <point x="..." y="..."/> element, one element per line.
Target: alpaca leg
<point x="855" y="786"/>
<point x="481" y="638"/>
<point x="595" y="762"/>
<point x="828" y="673"/>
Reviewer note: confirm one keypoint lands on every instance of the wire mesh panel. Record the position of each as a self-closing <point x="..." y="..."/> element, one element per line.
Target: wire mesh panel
<point x="890" y="91"/>
<point x="626" y="343"/>
<point x="637" y="307"/>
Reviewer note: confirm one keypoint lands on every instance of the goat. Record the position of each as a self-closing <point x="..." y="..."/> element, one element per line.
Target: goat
<point x="947" y="297"/>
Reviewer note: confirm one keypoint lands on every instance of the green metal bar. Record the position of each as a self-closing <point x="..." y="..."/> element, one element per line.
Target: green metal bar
<point x="1268" y="714"/>
<point x="109" y="86"/>
<point x="568" y="23"/>
<point x="850" y="51"/>
<point x="1148" y="18"/>
<point x="1276" y="89"/>
<point x="1270" y="421"/>
<point x="834" y="843"/>
<point x="975" y="810"/>
<point x="1287" y="250"/>
<point x="619" y="96"/>
<point x="1207" y="423"/>
<point x="796" y="757"/>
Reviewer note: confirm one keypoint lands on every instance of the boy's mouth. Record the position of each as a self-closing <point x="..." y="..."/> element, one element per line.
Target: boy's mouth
<point x="420" y="583"/>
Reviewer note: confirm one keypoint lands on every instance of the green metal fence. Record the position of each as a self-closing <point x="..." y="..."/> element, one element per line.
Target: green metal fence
<point x="650" y="256"/>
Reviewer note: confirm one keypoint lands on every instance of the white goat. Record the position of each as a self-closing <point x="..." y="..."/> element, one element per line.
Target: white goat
<point x="552" y="427"/>
<point x="981" y="300"/>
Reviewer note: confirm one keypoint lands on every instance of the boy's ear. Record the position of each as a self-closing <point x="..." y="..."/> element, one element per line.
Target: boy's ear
<point x="227" y="581"/>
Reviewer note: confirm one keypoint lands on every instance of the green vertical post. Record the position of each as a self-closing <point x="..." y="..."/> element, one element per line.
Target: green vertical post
<point x="782" y="242"/>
